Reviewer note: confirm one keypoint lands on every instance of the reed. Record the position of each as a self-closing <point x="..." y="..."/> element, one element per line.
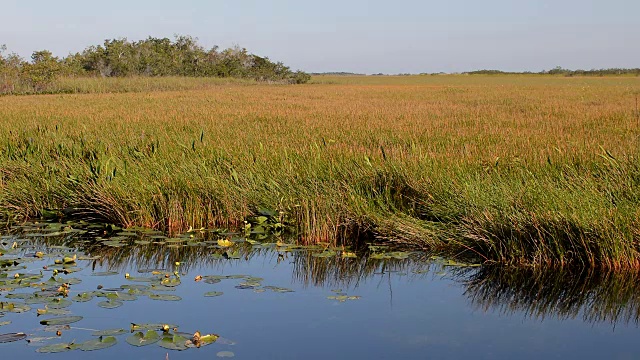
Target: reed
<point x="530" y="170"/>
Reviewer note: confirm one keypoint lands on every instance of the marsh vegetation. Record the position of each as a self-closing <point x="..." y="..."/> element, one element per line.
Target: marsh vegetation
<point x="518" y="169"/>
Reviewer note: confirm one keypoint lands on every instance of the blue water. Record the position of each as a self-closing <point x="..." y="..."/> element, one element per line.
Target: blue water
<point x="409" y="309"/>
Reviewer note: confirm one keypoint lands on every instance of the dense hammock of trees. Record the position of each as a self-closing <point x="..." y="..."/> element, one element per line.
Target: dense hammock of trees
<point x="182" y="56"/>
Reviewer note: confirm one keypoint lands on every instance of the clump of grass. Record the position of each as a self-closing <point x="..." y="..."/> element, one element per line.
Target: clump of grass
<point x="522" y="170"/>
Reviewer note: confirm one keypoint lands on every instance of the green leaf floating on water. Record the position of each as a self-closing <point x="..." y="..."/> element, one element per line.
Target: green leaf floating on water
<point x="174" y="342"/>
<point x="213" y="293"/>
<point x="198" y="340"/>
<point x="11" y="337"/>
<point x="141" y="339"/>
<point x="110" y="332"/>
<point x="14" y="307"/>
<point x="83" y="297"/>
<point x="3" y="323"/>
<point x="170" y="282"/>
<point x="110" y="304"/>
<point x="105" y="273"/>
<point x="65" y="320"/>
<point x="164" y="297"/>
<point x="57" y="303"/>
<point x="57" y="348"/>
<point x="98" y="344"/>
<point x="139" y="279"/>
<point x="135" y="327"/>
<point x="122" y="296"/>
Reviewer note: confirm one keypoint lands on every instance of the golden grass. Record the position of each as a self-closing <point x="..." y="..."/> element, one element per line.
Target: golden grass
<point x="475" y="163"/>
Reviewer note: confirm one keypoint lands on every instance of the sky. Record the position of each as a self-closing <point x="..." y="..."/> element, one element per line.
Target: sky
<point x="374" y="36"/>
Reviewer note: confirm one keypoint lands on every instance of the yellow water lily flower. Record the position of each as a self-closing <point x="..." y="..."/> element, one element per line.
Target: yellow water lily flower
<point x="225" y="243"/>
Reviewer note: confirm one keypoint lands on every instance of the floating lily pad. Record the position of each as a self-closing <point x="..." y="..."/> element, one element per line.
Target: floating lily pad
<point x="122" y="296"/>
<point x="105" y="273"/>
<point x="213" y="293"/>
<point x="203" y="340"/>
<point x="58" y="303"/>
<point x="141" y="339"/>
<point x="3" y="323"/>
<point x="140" y="279"/>
<point x="164" y="297"/>
<point x="151" y="326"/>
<point x="98" y="344"/>
<point x="14" y="307"/>
<point x="174" y="342"/>
<point x="110" y="332"/>
<point x="65" y="320"/>
<point x="50" y="311"/>
<point x="57" y="348"/>
<point x="37" y="341"/>
<point x="278" y="289"/>
<point x="11" y="337"/>
<point x="56" y="328"/>
<point x="225" y="354"/>
<point x="83" y="297"/>
<point x="110" y="304"/>
<point x="22" y="296"/>
<point x="170" y="282"/>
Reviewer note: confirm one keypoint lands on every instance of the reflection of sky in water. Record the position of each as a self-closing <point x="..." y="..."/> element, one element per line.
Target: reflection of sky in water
<point x="412" y="316"/>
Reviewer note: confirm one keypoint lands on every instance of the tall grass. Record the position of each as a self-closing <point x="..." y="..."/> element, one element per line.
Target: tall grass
<point x="525" y="170"/>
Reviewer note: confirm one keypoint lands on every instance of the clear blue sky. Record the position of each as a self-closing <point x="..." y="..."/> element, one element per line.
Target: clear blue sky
<point x="389" y="36"/>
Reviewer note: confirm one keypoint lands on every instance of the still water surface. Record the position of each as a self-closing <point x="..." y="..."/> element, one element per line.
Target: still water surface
<point x="287" y="304"/>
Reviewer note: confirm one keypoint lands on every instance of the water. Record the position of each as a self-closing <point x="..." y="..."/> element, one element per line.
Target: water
<point x="394" y="308"/>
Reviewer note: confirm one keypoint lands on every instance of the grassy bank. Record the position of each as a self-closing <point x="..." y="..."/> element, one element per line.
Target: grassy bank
<point x="514" y="169"/>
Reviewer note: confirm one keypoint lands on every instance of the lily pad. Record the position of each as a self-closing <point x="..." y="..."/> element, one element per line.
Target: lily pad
<point x="83" y="297"/>
<point x="11" y="337"/>
<point x="151" y="326"/>
<point x="164" y="297"/>
<point x="65" y="320"/>
<point x="110" y="304"/>
<point x="225" y="354"/>
<point x="98" y="344"/>
<point x="141" y="339"/>
<point x="213" y="293"/>
<point x="14" y="307"/>
<point x="105" y="273"/>
<point x="57" y="348"/>
<point x="170" y="282"/>
<point x="110" y="332"/>
<point x="174" y="342"/>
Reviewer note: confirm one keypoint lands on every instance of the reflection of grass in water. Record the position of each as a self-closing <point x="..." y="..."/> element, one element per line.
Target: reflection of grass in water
<point x="307" y="269"/>
<point x="598" y="296"/>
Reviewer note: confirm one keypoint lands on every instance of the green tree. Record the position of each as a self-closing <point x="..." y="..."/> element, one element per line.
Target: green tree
<point x="10" y="65"/>
<point x="42" y="71"/>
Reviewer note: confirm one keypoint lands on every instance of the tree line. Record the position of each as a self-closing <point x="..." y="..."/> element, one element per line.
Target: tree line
<point x="181" y="56"/>
<point x="562" y="71"/>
